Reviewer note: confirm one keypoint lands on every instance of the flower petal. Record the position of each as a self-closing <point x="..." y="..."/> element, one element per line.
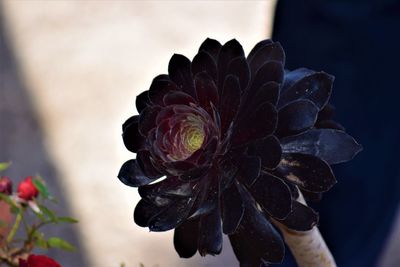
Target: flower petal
<point x="308" y="172"/>
<point x="307" y="84"/>
<point x="273" y="195"/>
<point x="130" y="174"/>
<point x="203" y="61"/>
<point x="333" y="146"/>
<point x="296" y="117"/>
<point x="207" y="92"/>
<point x="212" y="47"/>
<point x="229" y="102"/>
<point x="301" y="218"/>
<point x="180" y="72"/>
<point x="143" y="212"/>
<point x="130" y="135"/>
<point x="261" y="123"/>
<point x="229" y="51"/>
<point x="268" y="150"/>
<point x="256" y="240"/>
<point x="185" y="238"/>
<point x="232" y="209"/>
<point x="271" y="51"/>
<point x="238" y="67"/>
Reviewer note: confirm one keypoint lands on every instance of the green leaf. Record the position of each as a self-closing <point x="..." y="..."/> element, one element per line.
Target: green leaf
<point x="56" y="242"/>
<point x="41" y="187"/>
<point x="49" y="213"/>
<point x="66" y="220"/>
<point x="4" y="165"/>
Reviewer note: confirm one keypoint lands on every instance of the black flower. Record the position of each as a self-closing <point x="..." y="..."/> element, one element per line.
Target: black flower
<point x="234" y="139"/>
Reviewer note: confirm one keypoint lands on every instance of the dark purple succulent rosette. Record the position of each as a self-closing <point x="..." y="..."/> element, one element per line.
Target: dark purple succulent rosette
<point x="231" y="139"/>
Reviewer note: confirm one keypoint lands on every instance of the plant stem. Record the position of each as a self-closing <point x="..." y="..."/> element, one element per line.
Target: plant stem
<point x="308" y="248"/>
<point x="15" y="227"/>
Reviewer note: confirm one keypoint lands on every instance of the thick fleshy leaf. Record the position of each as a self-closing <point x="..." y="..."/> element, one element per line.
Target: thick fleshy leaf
<point x="180" y="72"/>
<point x="306" y="171"/>
<point x="301" y="218"/>
<point x="268" y="52"/>
<point x="143" y="212"/>
<point x="268" y="149"/>
<point x="172" y="216"/>
<point x="268" y="92"/>
<point x="142" y="101"/>
<point x="130" y="135"/>
<point x="296" y="117"/>
<point x="228" y="172"/>
<point x="306" y="84"/>
<point x="232" y="209"/>
<point x="310" y="196"/>
<point x="261" y="123"/>
<point x="329" y="124"/>
<point x="333" y="146"/>
<point x="210" y="233"/>
<point x="271" y="71"/>
<point x="131" y="174"/>
<point x="143" y="159"/>
<point x="229" y="102"/>
<point x="257" y="47"/>
<point x="208" y="196"/>
<point x="178" y="98"/>
<point x="158" y="89"/>
<point x="249" y="168"/>
<point x="177" y="168"/>
<point x="171" y="187"/>
<point x="147" y="119"/>
<point x="273" y="195"/>
<point x="240" y="69"/>
<point x="256" y="240"/>
<point x="212" y="47"/>
<point x="229" y="51"/>
<point x="185" y="238"/>
<point x="203" y="61"/>
<point x="207" y="92"/>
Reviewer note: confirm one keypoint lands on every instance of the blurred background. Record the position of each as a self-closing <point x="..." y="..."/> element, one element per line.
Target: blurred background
<point x="70" y="72"/>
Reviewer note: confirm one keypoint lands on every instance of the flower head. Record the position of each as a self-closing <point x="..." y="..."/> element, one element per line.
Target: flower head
<point x="5" y="185"/>
<point x="38" y="261"/>
<point x="27" y="190"/>
<point x="233" y="139"/>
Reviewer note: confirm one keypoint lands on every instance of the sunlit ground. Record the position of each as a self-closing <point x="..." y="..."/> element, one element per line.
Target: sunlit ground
<point x="83" y="63"/>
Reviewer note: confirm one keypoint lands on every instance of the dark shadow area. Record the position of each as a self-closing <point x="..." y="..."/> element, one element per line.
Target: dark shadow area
<point x="358" y="42"/>
<point x="21" y="141"/>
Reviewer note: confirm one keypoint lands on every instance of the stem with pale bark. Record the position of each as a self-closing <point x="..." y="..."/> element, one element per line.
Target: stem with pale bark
<point x="308" y="248"/>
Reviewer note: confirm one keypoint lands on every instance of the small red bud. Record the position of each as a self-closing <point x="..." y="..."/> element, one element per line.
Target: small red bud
<point x="27" y="190"/>
<point x="5" y="185"/>
<point x="38" y="261"/>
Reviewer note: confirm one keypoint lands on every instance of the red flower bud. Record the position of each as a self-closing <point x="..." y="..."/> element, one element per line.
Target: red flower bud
<point x="27" y="190"/>
<point x="5" y="185"/>
<point x="38" y="261"/>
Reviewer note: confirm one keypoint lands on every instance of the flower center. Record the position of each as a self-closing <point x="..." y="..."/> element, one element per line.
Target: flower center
<point x="193" y="139"/>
